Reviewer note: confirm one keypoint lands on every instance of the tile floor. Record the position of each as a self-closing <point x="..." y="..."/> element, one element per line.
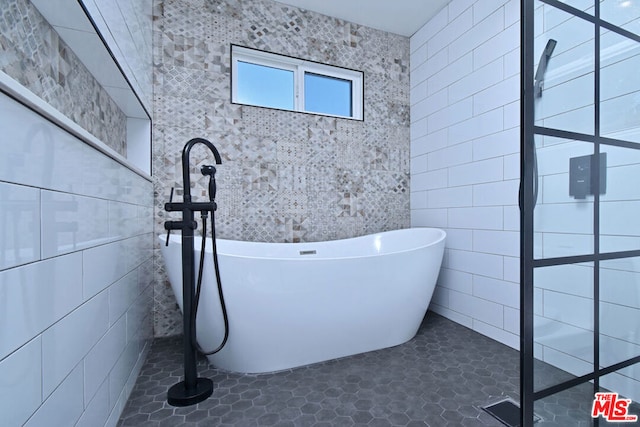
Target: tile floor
<point x="442" y="377"/>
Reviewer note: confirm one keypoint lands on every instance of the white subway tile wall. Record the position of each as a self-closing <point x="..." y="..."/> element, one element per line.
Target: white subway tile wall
<point x="465" y="170"/>
<point x="21" y="381"/>
<point x="76" y="276"/>
<point x="21" y="208"/>
<point x="465" y="122"/>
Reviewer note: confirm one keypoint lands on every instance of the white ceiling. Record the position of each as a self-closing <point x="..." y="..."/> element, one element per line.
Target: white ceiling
<point x="403" y="17"/>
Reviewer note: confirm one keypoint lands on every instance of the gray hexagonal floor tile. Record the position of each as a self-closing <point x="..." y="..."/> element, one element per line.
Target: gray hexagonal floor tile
<point x="442" y="377"/>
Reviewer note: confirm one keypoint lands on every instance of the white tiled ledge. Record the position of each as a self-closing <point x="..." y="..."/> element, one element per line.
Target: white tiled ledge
<point x="23" y="95"/>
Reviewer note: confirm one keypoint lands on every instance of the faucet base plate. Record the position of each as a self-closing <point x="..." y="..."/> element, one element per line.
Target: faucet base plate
<point x="180" y="395"/>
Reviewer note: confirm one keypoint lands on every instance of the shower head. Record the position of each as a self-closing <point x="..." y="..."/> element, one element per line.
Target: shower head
<point x="542" y="67"/>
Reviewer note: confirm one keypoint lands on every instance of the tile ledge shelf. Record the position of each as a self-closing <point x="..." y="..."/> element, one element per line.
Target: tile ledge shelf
<point x="23" y="95"/>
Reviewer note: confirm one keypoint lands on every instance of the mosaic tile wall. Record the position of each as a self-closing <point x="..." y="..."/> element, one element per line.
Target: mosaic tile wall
<point x="286" y="176"/>
<point x="32" y="53"/>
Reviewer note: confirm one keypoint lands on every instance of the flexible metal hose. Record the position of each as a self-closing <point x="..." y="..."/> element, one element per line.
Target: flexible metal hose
<point x="194" y="312"/>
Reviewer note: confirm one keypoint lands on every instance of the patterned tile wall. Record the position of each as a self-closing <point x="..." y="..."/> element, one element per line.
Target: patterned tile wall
<point x="32" y="53"/>
<point x="286" y="176"/>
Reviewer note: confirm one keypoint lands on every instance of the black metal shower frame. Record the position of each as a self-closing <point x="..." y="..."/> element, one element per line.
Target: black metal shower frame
<point x="528" y="395"/>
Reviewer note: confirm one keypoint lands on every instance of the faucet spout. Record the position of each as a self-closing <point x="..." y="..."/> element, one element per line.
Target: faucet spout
<point x="185" y="163"/>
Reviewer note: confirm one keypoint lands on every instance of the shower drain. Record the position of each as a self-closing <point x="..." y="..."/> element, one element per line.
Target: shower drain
<point x="507" y="412"/>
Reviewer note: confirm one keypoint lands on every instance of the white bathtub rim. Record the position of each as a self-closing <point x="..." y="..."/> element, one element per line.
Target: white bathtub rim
<point x="197" y="243"/>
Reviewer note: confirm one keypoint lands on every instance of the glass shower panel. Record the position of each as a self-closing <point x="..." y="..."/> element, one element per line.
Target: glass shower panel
<point x="619" y="87"/>
<point x="583" y="5"/>
<point x="620" y="204"/>
<point x="620" y="311"/>
<point x="565" y="88"/>
<point x="563" y="323"/>
<point x="584" y="320"/>
<point x="563" y="223"/>
<point x="625" y="382"/>
<point x="571" y="407"/>
<point x="622" y="13"/>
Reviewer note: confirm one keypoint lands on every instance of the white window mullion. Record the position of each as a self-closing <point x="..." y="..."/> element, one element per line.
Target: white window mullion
<point x="299" y="79"/>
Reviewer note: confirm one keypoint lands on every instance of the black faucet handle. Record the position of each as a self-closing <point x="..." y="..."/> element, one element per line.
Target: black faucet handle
<point x="169" y="230"/>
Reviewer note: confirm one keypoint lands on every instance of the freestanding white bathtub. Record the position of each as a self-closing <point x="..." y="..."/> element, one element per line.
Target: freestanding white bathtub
<point x="293" y="304"/>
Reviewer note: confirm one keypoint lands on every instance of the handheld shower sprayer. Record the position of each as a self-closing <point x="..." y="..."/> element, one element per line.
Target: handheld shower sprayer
<point x="210" y="170"/>
<point x="538" y="79"/>
<point x="538" y="86"/>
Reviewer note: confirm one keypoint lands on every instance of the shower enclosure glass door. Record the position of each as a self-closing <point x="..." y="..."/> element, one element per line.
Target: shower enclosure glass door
<point x="580" y="211"/>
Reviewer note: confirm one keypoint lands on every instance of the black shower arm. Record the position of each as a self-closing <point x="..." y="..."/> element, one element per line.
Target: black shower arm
<point x="542" y="67"/>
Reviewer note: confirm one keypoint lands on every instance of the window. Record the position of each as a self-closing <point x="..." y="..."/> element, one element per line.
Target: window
<point x="275" y="81"/>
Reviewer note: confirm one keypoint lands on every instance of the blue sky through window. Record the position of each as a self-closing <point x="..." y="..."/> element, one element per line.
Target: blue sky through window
<point x="327" y="95"/>
<point x="265" y="86"/>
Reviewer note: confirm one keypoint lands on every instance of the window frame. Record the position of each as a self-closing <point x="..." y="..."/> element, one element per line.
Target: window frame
<point x="299" y="67"/>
